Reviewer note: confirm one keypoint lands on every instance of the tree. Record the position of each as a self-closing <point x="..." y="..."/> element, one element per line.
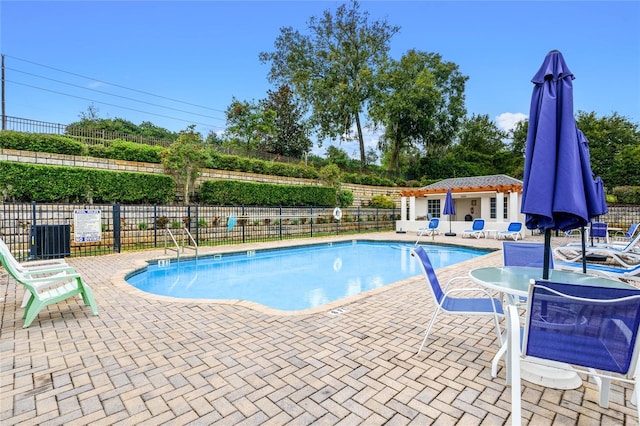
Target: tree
<point x="479" y="134"/>
<point x="249" y="124"/>
<point x="610" y="138"/>
<point x="213" y="139"/>
<point x="337" y="156"/>
<point x="291" y="131"/>
<point x="184" y="159"/>
<point x="333" y="67"/>
<point x="90" y="120"/>
<point x="420" y="102"/>
<point x="518" y="137"/>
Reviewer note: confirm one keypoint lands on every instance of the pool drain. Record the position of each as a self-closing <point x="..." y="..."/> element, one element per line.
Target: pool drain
<point x="338" y="311"/>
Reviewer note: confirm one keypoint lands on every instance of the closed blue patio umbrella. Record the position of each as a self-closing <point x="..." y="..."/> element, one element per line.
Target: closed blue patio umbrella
<point x="449" y="209"/>
<point x="558" y="190"/>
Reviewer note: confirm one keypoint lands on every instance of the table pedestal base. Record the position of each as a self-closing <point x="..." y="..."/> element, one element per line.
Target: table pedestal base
<point x="548" y="376"/>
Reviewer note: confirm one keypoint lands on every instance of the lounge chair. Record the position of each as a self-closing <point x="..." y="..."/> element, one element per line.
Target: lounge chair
<point x="430" y="230"/>
<point x="513" y="231"/>
<point x="477" y="229"/>
<point x="47" y="290"/>
<point x="486" y="305"/>
<point x="33" y="266"/>
<point x="604" y="345"/>
<point x="626" y="236"/>
<point x="627" y="256"/>
<point x="35" y="269"/>
<point x="628" y="274"/>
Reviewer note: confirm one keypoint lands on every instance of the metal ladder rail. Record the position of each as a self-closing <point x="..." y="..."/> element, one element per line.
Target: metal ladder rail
<point x="177" y="249"/>
<point x="193" y="246"/>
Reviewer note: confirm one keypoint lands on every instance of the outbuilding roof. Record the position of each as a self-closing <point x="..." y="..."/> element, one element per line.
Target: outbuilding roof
<point x="491" y="183"/>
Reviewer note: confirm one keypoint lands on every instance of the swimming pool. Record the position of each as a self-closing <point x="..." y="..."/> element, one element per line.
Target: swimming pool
<point x="294" y="278"/>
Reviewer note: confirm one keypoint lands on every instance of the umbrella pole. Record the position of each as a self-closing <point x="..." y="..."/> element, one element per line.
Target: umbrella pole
<point x="450" y="234"/>
<point x="584" y="251"/>
<point x="547" y="253"/>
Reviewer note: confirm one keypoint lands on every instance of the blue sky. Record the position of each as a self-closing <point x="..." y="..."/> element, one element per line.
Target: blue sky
<point x="175" y="63"/>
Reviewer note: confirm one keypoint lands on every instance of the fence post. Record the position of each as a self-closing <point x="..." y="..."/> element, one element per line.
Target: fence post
<point x="188" y="224"/>
<point x="155" y="225"/>
<point x="33" y="241"/>
<point x="280" y="222"/>
<point x="358" y="219"/>
<point x="197" y="226"/>
<point x="393" y="218"/>
<point x="116" y="228"/>
<point x="244" y="221"/>
<point x="311" y="219"/>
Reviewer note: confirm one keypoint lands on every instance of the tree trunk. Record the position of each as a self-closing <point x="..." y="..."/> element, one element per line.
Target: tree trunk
<point x="361" y="141"/>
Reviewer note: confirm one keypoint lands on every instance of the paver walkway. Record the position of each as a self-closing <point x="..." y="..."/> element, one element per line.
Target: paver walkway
<point x="147" y="360"/>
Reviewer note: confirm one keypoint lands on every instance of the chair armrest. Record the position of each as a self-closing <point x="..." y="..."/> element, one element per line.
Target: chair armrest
<point x="30" y="273"/>
<point x="51" y="279"/>
<point x="445" y="289"/>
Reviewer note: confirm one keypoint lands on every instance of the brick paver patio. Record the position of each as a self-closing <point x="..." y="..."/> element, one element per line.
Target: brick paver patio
<point x="149" y="360"/>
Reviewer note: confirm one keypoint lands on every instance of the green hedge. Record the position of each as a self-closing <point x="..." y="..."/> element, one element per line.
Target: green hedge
<point x="28" y="182"/>
<point x="627" y="194"/>
<point x="129" y="151"/>
<point x="132" y="151"/>
<point x="39" y="142"/>
<point x="263" y="194"/>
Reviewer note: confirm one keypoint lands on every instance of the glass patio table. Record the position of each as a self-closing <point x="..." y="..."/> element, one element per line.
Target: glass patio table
<point x="514" y="281"/>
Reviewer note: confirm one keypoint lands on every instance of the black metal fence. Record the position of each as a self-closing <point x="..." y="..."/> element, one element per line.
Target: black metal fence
<point x="98" y="136"/>
<point x="37" y="231"/>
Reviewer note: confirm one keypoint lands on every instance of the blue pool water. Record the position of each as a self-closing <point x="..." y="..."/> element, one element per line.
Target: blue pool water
<point x="293" y="278"/>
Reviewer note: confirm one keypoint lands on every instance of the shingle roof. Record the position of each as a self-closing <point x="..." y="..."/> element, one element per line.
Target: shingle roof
<point x="474" y="181"/>
<point x="498" y="183"/>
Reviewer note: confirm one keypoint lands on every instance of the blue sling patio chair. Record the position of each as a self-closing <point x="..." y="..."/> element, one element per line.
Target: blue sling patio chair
<point x="524" y="254"/>
<point x="604" y="345"/>
<point x="519" y="254"/>
<point x="485" y="305"/>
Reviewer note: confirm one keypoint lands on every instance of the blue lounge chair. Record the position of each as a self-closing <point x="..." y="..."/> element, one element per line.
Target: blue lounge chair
<point x="513" y="231"/>
<point x="626" y="236"/>
<point x="477" y="229"/>
<point x="430" y="230"/>
<point x="610" y="271"/>
<point x="627" y="256"/>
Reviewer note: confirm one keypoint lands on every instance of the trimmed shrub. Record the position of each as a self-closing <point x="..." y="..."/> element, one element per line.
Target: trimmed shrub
<point x="382" y="202"/>
<point x="627" y="194"/>
<point x="40" y="142"/>
<point x="29" y="182"/>
<point x="264" y="194"/>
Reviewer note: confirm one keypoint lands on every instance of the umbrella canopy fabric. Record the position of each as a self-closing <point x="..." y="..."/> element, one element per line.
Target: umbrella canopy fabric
<point x="449" y="206"/>
<point x="449" y="209"/>
<point x="558" y="190"/>
<point x="558" y="184"/>
<point x="596" y="200"/>
<point x="558" y="187"/>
